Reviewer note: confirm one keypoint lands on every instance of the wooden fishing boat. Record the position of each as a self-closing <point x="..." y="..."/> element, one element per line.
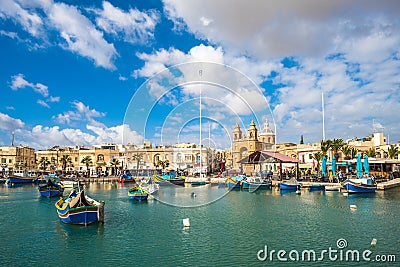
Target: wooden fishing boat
<point x="363" y="185"/>
<point x="50" y="189"/>
<point x="14" y="179"/>
<point x="255" y="183"/>
<point x="169" y="178"/>
<point x="316" y="187"/>
<point x="138" y="193"/>
<point x="78" y="208"/>
<point x="234" y="182"/>
<point x="291" y="184"/>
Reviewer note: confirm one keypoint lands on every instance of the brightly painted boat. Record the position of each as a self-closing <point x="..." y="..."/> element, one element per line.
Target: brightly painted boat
<point x="69" y="184"/>
<point x="291" y="184"/>
<point x="234" y="182"/>
<point x="126" y="177"/>
<point x="255" y="183"/>
<point x="78" y="208"/>
<point x="363" y="185"/>
<point x="169" y="178"/>
<point x="51" y="189"/>
<point x="316" y="187"/>
<point x="138" y="193"/>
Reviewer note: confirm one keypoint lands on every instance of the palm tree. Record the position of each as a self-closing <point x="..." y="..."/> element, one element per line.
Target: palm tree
<point x="114" y="164"/>
<point x="325" y="145"/>
<point x="43" y="162"/>
<point x="336" y="146"/>
<point x="138" y="157"/>
<point x="65" y="159"/>
<point x="346" y="150"/>
<point x="353" y="152"/>
<point x="163" y="164"/>
<point x="393" y="151"/>
<point x="371" y="152"/>
<point x="318" y="157"/>
<point x="87" y="160"/>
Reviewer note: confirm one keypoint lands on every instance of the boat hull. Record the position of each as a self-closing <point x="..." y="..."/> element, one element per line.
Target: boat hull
<point x="316" y="188"/>
<point x="197" y="183"/>
<point x="293" y="187"/>
<point x="21" y="180"/>
<point x="82" y="215"/>
<point x="232" y="185"/>
<point x="138" y="197"/>
<point x="256" y="186"/>
<point x="161" y="181"/>
<point x="355" y="188"/>
<point x="50" y="192"/>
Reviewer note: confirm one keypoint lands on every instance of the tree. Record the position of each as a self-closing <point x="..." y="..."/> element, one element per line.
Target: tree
<point x="393" y="151"/>
<point x="138" y="157"/>
<point x="114" y="164"/>
<point x="43" y="162"/>
<point x="325" y="145"/>
<point x="65" y="159"/>
<point x="336" y="146"/>
<point x="371" y="152"/>
<point x="346" y="150"/>
<point x="163" y="164"/>
<point x="87" y="160"/>
<point x="353" y="152"/>
<point x="318" y="157"/>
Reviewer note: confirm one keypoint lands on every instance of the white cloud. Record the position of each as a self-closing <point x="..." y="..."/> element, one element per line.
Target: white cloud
<point x="43" y="103"/>
<point x="43" y="137"/>
<point x="78" y="33"/>
<point x="133" y="26"/>
<point x="81" y="113"/>
<point x="29" y="20"/>
<point x="81" y="35"/>
<point x="9" y="123"/>
<point x="279" y="28"/>
<point x="18" y="81"/>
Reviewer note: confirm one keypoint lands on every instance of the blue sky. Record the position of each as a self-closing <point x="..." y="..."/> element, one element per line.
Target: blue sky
<point x="70" y="70"/>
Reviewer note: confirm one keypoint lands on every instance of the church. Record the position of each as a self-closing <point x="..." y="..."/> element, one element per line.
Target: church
<point x="243" y="145"/>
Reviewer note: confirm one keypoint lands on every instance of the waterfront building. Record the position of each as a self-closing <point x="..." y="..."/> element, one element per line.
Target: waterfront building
<point x="243" y="145"/>
<point x="183" y="157"/>
<point x="17" y="158"/>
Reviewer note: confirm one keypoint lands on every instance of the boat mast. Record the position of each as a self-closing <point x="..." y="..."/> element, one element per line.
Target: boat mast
<point x="201" y="166"/>
<point x="323" y="116"/>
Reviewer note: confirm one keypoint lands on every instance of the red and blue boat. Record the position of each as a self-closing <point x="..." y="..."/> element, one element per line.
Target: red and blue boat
<point x="80" y="209"/>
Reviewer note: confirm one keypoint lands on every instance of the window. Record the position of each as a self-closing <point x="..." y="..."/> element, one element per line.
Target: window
<point x="10" y="161"/>
<point x="100" y="157"/>
<point x="198" y="158"/>
<point x="76" y="159"/>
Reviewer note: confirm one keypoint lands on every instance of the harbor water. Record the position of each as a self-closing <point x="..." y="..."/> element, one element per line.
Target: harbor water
<point x="226" y="228"/>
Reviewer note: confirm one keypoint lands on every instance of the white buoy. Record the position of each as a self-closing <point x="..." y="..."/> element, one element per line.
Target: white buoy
<point x="298" y="192"/>
<point x="353" y="207"/>
<point x="373" y="242"/>
<point x="186" y="222"/>
<point x="345" y="194"/>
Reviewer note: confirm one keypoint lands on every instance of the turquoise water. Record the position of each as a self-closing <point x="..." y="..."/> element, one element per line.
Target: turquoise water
<point x="229" y="231"/>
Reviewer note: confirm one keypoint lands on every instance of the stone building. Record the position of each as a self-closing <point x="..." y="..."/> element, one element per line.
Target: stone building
<point x="17" y="158"/>
<point x="244" y="145"/>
